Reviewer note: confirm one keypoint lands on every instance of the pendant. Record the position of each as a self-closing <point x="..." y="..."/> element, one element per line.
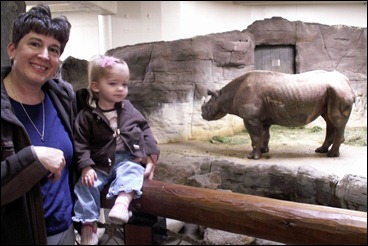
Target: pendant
<point x="43" y="139"/>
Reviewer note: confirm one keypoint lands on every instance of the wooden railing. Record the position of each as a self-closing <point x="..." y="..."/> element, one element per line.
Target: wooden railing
<point x="266" y="218"/>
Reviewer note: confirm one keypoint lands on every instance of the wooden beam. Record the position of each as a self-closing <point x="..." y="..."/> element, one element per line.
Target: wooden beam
<point x="271" y="219"/>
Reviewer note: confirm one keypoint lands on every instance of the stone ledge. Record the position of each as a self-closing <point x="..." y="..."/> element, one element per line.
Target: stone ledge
<point x="303" y="184"/>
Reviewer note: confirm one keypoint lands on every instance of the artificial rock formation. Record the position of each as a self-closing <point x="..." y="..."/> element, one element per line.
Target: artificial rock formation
<point x="170" y="79"/>
<point x="9" y="11"/>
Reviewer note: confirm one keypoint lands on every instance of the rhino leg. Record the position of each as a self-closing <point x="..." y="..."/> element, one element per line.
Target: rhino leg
<point x="337" y="141"/>
<point x="329" y="136"/>
<point x="336" y="119"/>
<point x="265" y="138"/>
<point x="334" y="136"/>
<point x="260" y="136"/>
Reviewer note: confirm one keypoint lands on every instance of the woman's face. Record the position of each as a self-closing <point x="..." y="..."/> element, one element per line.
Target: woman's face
<point x="35" y="59"/>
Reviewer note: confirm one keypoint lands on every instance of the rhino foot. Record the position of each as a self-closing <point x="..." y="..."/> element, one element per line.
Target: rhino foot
<point x="333" y="154"/>
<point x="321" y="150"/>
<point x="255" y="155"/>
<point x="265" y="150"/>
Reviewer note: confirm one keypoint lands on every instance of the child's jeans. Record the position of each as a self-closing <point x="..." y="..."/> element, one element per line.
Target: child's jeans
<point x="126" y="176"/>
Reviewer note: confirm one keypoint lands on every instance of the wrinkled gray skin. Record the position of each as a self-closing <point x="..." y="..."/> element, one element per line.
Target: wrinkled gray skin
<point x="264" y="98"/>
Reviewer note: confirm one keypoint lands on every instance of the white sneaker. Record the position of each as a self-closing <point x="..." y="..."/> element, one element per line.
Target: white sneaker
<point x="119" y="213"/>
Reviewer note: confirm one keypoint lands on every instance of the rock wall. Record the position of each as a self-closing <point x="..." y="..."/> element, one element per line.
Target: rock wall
<point x="170" y="79"/>
<point x="299" y="184"/>
<point x="9" y="11"/>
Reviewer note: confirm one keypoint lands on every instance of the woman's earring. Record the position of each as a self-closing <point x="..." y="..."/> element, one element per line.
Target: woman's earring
<point x="11" y="58"/>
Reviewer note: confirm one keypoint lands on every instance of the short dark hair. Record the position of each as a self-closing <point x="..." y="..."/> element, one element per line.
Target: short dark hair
<point x="38" y="19"/>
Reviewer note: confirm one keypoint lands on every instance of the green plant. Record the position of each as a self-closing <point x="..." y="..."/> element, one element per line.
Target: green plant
<point x="356" y="136"/>
<point x="315" y="129"/>
<point x="217" y="139"/>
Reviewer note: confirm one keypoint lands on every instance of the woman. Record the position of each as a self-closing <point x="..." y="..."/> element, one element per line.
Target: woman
<point x="37" y="113"/>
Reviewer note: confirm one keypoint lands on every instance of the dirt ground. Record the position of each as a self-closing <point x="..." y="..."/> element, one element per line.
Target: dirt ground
<point x="288" y="147"/>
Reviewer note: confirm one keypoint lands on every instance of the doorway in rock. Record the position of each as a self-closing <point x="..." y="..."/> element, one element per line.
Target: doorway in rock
<point x="278" y="58"/>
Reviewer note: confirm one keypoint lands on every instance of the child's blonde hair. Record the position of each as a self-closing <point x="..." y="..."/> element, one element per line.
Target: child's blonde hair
<point x="99" y="67"/>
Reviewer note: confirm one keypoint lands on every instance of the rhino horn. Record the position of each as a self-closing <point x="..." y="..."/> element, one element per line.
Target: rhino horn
<point x="212" y="93"/>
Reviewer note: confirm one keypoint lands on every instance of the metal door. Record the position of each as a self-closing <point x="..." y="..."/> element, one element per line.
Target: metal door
<point x="278" y="58"/>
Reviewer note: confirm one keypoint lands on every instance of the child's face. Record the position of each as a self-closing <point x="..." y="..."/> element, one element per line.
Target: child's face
<point x="112" y="88"/>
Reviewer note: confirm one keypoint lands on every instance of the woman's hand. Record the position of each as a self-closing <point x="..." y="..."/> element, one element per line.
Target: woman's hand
<point x="149" y="162"/>
<point x="52" y="159"/>
<point x="150" y="168"/>
<point x="149" y="171"/>
<point x="88" y="176"/>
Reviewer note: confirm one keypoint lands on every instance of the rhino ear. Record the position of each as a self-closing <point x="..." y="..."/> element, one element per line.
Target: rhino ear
<point x="212" y="93"/>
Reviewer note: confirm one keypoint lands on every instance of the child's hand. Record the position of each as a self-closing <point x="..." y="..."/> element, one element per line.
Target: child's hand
<point x="88" y="176"/>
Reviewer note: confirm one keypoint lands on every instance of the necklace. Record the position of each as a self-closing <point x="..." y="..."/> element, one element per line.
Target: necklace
<point x="25" y="111"/>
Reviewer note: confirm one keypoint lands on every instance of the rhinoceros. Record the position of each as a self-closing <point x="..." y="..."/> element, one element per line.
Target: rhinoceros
<point x="265" y="98"/>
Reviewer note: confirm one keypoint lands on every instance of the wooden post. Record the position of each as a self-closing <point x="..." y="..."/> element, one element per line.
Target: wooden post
<point x="139" y="231"/>
<point x="142" y="228"/>
<point x="271" y="219"/>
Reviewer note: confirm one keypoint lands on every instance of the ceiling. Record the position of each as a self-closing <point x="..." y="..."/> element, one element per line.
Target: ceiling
<point x="110" y="7"/>
<point x="250" y="3"/>
<point x="99" y="7"/>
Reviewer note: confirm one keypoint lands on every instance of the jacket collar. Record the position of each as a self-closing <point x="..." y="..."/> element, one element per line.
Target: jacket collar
<point x="6" y="108"/>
